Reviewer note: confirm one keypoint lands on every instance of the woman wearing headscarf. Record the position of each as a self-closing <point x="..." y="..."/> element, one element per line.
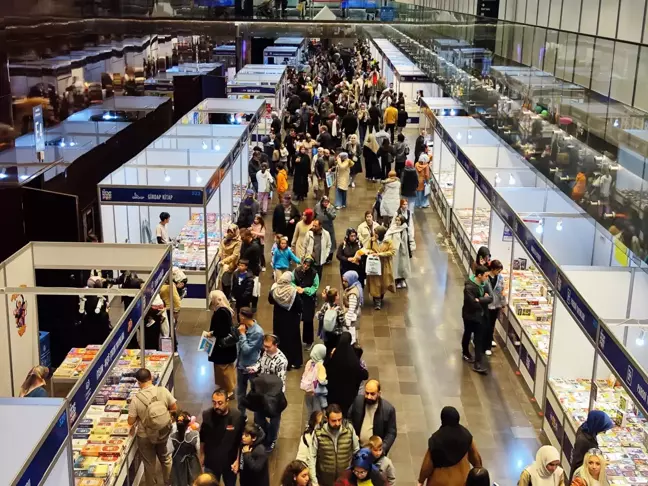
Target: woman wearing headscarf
<point x="302" y="171"/>
<point x="362" y="472"/>
<point x="326" y="213"/>
<point x="390" y="200"/>
<point x="352" y="300"/>
<point x="370" y="156"/>
<point x="248" y="208"/>
<point x="596" y="423"/>
<point x="228" y="256"/>
<point x="222" y="329"/>
<point x="354" y="150"/>
<point x="347" y="254"/>
<point x="344" y="373"/>
<point x="451" y="451"/>
<point x="301" y="230"/>
<point x="398" y="235"/>
<point x="307" y="281"/>
<point x="378" y="285"/>
<point x="342" y="179"/>
<point x="363" y="119"/>
<point x="545" y="471"/>
<point x="285" y="318"/>
<point x="409" y="183"/>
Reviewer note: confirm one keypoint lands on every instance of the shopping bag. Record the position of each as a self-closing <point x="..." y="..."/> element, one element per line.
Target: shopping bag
<point x="256" y="291"/>
<point x="427" y="189"/>
<point x="373" y="267"/>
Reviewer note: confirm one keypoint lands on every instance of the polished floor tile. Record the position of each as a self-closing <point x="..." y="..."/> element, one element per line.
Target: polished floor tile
<point x="412" y="347"/>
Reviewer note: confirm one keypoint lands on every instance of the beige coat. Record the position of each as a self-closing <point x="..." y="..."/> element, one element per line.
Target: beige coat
<point x="343" y="174"/>
<point x="378" y="285"/>
<point x="299" y="239"/>
<point x="449" y="476"/>
<point x="364" y="234"/>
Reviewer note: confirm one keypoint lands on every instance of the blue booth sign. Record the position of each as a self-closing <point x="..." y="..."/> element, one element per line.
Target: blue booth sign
<point x="578" y="308"/>
<point x="156" y="280"/>
<point x="46" y="453"/>
<point x="252" y="89"/>
<point x="99" y="367"/>
<point x="144" y="195"/>
<point x="553" y="421"/>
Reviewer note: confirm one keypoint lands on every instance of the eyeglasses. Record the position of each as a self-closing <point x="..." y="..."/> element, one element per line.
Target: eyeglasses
<point x="595" y="451"/>
<point x="360" y="472"/>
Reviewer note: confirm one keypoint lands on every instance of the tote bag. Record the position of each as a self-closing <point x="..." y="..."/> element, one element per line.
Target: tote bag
<point x="373" y="267"/>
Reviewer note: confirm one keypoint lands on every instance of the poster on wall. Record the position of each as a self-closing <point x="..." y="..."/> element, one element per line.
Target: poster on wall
<point x="488" y="8"/>
<point x="39" y="133"/>
<point x="507" y="234"/>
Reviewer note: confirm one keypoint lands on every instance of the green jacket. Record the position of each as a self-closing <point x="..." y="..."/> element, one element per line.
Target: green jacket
<point x="332" y="459"/>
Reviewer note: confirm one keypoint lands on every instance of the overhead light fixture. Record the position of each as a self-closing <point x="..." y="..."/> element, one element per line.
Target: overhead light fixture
<point x="167" y="177"/>
<point x="511" y="180"/>
<point x="217" y="146"/>
<point x="616" y="123"/>
<point x="540" y="228"/>
<point x="469" y="135"/>
<point x="641" y="339"/>
<point x="23" y="177"/>
<point x="3" y="174"/>
<point x="453" y="112"/>
<point x="62" y="144"/>
<point x="198" y="178"/>
<point x="498" y="179"/>
<point x="459" y="136"/>
<point x="559" y="225"/>
<point x="204" y="145"/>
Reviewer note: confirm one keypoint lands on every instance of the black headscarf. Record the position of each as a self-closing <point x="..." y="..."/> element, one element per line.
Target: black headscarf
<point x="344" y="360"/>
<point x="305" y="277"/>
<point x="349" y="248"/>
<point x="451" y="442"/>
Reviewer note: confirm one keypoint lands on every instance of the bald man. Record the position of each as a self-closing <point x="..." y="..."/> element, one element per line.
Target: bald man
<point x="371" y="414"/>
<point x="205" y="479"/>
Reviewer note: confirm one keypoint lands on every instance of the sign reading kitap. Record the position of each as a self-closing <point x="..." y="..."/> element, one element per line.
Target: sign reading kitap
<point x="151" y="196"/>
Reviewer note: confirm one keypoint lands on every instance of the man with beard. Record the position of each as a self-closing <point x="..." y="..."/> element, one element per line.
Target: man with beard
<point x="373" y="415"/>
<point x="334" y="444"/>
<point x="220" y="438"/>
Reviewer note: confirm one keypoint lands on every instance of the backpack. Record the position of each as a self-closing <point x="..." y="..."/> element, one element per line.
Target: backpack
<point x="157" y="419"/>
<point x="330" y="319"/>
<point x="309" y="377"/>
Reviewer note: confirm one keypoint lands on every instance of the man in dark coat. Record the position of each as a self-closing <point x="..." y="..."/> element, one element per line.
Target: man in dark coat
<point x="242" y="285"/>
<point x="373" y="415"/>
<point x="325" y="139"/>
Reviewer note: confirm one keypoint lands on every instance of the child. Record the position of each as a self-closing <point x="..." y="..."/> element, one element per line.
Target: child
<point x="186" y="448"/>
<point x="281" y="258"/>
<point x="328" y="335"/>
<point x="314" y="380"/>
<point x="384" y="463"/>
<point x="258" y="231"/>
<point x="252" y="464"/>
<point x="282" y="181"/>
<point x="306" y="440"/>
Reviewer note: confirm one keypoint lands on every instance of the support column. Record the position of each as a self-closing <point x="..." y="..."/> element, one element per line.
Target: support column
<point x="243" y="48"/>
<point x="6" y="114"/>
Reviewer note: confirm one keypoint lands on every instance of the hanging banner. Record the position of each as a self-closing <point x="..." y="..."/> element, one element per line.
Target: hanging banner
<point x="148" y="196"/>
<point x="578" y="308"/>
<point x="156" y="280"/>
<point x="39" y="128"/>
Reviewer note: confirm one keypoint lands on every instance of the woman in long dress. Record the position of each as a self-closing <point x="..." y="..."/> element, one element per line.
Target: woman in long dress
<point x="399" y="236"/>
<point x="370" y="156"/>
<point x="344" y="373"/>
<point x="302" y="171"/>
<point x="378" y="285"/>
<point x="285" y="318"/>
<point x="307" y="282"/>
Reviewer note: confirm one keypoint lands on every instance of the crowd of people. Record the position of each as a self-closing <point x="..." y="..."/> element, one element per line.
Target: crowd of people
<point x="340" y="117"/>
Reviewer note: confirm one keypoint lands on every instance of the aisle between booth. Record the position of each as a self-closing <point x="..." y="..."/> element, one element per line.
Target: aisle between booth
<point x="561" y="276"/>
<point x="87" y="434"/>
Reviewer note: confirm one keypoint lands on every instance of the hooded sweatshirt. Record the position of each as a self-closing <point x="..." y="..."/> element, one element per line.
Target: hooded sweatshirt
<point x="253" y="465"/>
<point x="473" y="310"/>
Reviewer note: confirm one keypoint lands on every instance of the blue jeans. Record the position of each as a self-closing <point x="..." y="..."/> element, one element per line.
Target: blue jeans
<point x="340" y="197"/>
<point x="422" y="200"/>
<point x="242" y="379"/>
<point x="411" y="202"/>
<point x="269" y="425"/>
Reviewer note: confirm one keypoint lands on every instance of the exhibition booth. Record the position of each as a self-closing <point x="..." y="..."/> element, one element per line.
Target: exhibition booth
<point x="566" y="293"/>
<point x="268" y="85"/>
<point x="85" y="435"/>
<point x="253" y="113"/>
<point x="282" y="55"/>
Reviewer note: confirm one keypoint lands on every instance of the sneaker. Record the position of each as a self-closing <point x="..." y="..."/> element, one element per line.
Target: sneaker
<point x="468" y="358"/>
<point x="353" y="185"/>
<point x="494" y="344"/>
<point x="338" y="207"/>
<point x="404" y="285"/>
<point x="263" y="269"/>
<point x="271" y="447"/>
<point x="480" y="370"/>
<point x="488" y="352"/>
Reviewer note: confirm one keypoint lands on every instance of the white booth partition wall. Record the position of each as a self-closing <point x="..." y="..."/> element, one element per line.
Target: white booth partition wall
<point x="283" y="55"/>
<point x="431" y="107"/>
<point x="575" y="332"/>
<point x="298" y="42"/>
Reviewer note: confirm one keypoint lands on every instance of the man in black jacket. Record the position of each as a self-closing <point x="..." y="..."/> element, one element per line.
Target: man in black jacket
<point x="373" y="415"/>
<point x="220" y="438"/>
<point x="285" y="217"/>
<point x="419" y="145"/>
<point x="325" y="139"/>
<point x="242" y="285"/>
<point x="251" y="251"/>
<point x="473" y="312"/>
<point x="374" y="117"/>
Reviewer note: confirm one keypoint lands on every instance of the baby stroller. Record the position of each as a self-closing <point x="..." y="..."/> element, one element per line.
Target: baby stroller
<point x="265" y="10"/>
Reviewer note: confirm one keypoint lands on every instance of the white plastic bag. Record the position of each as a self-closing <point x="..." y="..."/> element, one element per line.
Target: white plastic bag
<point x="373" y="266"/>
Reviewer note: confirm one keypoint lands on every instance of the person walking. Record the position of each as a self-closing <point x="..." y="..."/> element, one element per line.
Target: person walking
<point x="285" y="217"/>
<point x="398" y="234"/>
<point x="285" y="318"/>
<point x="390" y="201"/>
<point x="496" y="289"/>
<point x="258" y="232"/>
<point x="401" y="151"/>
<point x="252" y="465"/>
<point x="222" y="329"/>
<point x="373" y="415"/>
<point x="342" y="179"/>
<point x="301" y="231"/>
<point x="374" y="117"/>
<point x="318" y="246"/>
<point x="306" y="280"/>
<point x="247" y="210"/>
<point x="545" y="471"/>
<point x="370" y="156"/>
<point x="264" y="182"/>
<point x="151" y="410"/>
<point x="334" y="444"/>
<point x="282" y="181"/>
<point x="354" y="150"/>
<point x="229" y="251"/>
<point x="592" y="472"/>
<point x="348" y="254"/>
<point x="302" y="171"/>
<point x="249" y="346"/>
<point x="366" y="229"/>
<point x="362" y="471"/>
<point x="185" y="443"/>
<point x="331" y="326"/>
<point x="220" y="436"/>
<point x="409" y="185"/>
<point x="363" y="121"/>
<point x="390" y="119"/>
<point x="473" y="313"/>
<point x="386" y="154"/>
<point x="419" y="145"/>
<point x="344" y="373"/>
<point x="242" y="285"/>
<point x="282" y="255"/>
<point x="352" y="301"/>
<point x="313" y="382"/>
<point x="297" y="473"/>
<point x="451" y="451"/>
<point x="326" y="213"/>
<point x="423" y="173"/>
<point x="378" y="285"/>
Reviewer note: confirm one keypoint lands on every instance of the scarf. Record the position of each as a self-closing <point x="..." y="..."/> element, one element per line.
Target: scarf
<point x="283" y="291"/>
<point x="540" y="476"/>
<point x="597" y="422"/>
<point x="449" y="444"/>
<point x="318" y="353"/>
<point x="480" y="285"/>
<point x="371" y="143"/>
<point x="218" y="300"/>
<point x="352" y="278"/>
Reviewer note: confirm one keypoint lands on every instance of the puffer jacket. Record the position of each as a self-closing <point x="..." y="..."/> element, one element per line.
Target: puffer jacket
<point x="333" y="458"/>
<point x="390" y="197"/>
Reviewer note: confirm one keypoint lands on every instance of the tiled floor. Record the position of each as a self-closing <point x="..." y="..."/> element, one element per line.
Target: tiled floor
<point x="412" y="347"/>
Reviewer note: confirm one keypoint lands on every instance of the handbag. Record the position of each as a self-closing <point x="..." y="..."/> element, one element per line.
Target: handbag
<point x="373" y="266"/>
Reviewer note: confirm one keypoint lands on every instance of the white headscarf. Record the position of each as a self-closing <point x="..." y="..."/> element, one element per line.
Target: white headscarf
<point x="540" y="476"/>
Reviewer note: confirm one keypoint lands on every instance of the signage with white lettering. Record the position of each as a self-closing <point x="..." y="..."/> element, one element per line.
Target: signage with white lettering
<point x="577" y="307"/>
<point x="146" y="196"/>
<point x="157" y="280"/>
